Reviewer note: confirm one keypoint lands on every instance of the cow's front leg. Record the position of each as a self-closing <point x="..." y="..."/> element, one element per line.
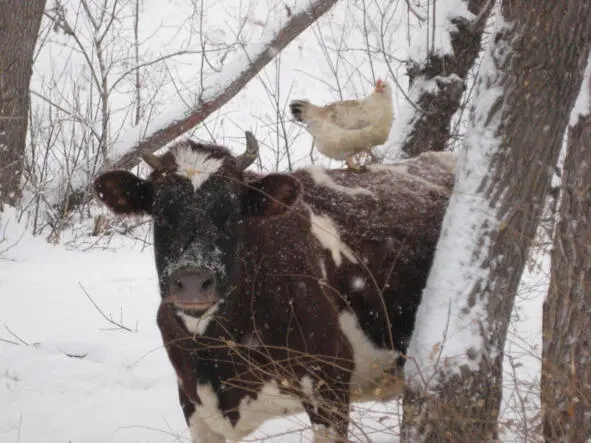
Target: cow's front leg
<point x="200" y="431"/>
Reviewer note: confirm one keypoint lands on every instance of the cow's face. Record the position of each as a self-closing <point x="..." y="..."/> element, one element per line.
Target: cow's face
<point x="198" y="200"/>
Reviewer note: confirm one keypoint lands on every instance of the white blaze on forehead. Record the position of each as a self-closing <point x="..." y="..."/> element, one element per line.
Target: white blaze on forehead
<point x="325" y="230"/>
<point x="196" y="166"/>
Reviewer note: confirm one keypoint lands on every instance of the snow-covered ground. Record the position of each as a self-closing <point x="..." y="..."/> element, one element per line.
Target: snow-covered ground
<point x="78" y="378"/>
<point x="69" y="375"/>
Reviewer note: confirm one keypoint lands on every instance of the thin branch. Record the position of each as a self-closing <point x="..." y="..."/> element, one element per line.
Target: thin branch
<point x="106" y="317"/>
<point x="16" y="336"/>
<point x="296" y="24"/>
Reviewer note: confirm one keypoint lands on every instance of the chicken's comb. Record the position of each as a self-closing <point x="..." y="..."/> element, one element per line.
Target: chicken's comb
<point x="378" y="82"/>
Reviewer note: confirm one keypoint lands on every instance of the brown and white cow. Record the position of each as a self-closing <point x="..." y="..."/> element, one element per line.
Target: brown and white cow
<point x="284" y="292"/>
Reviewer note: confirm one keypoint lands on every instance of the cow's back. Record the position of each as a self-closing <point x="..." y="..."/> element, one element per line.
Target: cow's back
<point x="381" y="227"/>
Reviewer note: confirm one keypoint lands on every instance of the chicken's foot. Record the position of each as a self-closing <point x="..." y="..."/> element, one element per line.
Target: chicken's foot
<point x="355" y="166"/>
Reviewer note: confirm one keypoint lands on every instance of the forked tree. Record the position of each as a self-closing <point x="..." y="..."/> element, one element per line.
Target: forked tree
<point x="527" y="85"/>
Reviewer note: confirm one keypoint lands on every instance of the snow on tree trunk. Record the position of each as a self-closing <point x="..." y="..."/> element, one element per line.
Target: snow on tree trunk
<point x="440" y="81"/>
<point x="528" y="83"/>
<point x="566" y="352"/>
<point x="19" y="28"/>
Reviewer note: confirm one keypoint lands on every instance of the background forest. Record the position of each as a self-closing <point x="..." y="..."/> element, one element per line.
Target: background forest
<point x="501" y="347"/>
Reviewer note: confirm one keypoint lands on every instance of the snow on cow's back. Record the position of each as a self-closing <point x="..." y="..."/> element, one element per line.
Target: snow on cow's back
<point x="405" y="189"/>
<point x="432" y="169"/>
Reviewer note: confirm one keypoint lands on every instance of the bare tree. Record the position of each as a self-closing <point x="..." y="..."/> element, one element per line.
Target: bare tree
<point x="19" y="29"/>
<point x="296" y="24"/>
<point x="566" y="353"/>
<point x="95" y="123"/>
<point x="527" y="87"/>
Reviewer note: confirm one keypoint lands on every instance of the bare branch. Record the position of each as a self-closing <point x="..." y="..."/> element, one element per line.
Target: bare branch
<point x="296" y="24"/>
<point x="16" y="336"/>
<point x="106" y="317"/>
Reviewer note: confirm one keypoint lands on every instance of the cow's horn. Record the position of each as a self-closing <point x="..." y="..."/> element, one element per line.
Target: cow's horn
<point x="252" y="151"/>
<point x="153" y="161"/>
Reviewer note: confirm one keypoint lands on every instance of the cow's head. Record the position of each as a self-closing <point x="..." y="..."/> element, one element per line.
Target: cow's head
<point x="198" y="198"/>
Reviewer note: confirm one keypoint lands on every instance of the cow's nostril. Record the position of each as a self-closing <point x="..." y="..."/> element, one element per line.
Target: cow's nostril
<point x="178" y="284"/>
<point x="207" y="284"/>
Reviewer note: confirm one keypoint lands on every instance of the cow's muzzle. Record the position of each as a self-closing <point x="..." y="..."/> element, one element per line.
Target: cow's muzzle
<point x="192" y="288"/>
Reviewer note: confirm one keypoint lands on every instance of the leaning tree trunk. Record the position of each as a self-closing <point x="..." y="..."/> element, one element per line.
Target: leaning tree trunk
<point x="566" y="354"/>
<point x="528" y="84"/>
<point x="19" y="28"/>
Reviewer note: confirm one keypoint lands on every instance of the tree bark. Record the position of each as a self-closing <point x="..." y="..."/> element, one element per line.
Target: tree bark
<point x="431" y="122"/>
<point x="525" y="93"/>
<point x="566" y="352"/>
<point x="19" y="29"/>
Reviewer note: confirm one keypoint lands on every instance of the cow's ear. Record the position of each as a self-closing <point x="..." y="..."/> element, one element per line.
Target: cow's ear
<point x="272" y="195"/>
<point x="124" y="193"/>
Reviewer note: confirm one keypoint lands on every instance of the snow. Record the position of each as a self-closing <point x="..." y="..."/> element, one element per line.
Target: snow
<point x="358" y="283"/>
<point x="79" y="378"/>
<point x="437" y="40"/>
<point x="434" y="40"/>
<point x="320" y="177"/>
<point x="119" y="386"/>
<point x="458" y="266"/>
<point x="175" y="76"/>
<point x="216" y="83"/>
<point x="583" y="103"/>
<point x="520" y="408"/>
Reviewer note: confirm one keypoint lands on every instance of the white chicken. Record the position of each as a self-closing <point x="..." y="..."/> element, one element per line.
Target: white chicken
<point x="344" y="129"/>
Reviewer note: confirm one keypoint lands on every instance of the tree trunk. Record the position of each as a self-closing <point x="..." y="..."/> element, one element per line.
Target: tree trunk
<point x="430" y="125"/>
<point x="528" y="84"/>
<point x="19" y="28"/>
<point x="566" y="354"/>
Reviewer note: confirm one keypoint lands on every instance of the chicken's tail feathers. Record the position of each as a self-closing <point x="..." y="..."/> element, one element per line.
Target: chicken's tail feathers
<point x="299" y="109"/>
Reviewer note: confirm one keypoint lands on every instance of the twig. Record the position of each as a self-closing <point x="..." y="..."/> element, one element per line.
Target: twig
<point x="414" y="12"/>
<point x="18" y="431"/>
<point x="16" y="336"/>
<point x="110" y="320"/>
<point x="291" y="29"/>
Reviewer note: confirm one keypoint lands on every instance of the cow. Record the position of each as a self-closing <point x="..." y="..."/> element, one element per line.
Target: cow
<point x="284" y="292"/>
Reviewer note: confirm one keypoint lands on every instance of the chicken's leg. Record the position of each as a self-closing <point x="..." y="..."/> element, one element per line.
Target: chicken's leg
<point x="355" y="166"/>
